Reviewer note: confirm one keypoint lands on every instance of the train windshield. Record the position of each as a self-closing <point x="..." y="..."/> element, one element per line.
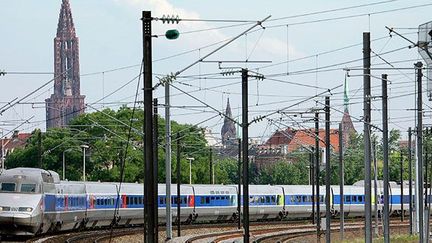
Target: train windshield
<point x="28" y="187"/>
<point x="7" y="187"/>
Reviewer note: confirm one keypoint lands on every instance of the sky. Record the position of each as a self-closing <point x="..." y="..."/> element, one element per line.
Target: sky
<point x="303" y="50"/>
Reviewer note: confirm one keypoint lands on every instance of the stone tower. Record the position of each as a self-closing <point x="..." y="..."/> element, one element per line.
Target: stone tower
<point x="228" y="131"/>
<point x="347" y="125"/>
<point x="66" y="102"/>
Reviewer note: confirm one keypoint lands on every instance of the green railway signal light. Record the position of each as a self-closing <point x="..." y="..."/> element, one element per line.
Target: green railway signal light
<point x="172" y="34"/>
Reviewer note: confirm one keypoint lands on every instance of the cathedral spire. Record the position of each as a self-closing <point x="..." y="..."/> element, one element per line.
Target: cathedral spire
<point x="65" y="27"/>
<point x="67" y="101"/>
<point x="346" y="98"/>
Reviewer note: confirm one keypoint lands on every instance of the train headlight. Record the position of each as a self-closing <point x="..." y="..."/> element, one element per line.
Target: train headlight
<point x="4" y="209"/>
<point x="25" y="209"/>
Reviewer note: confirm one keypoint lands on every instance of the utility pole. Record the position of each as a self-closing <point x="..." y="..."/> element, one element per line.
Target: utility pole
<point x="149" y="206"/>
<point x="327" y="179"/>
<point x="239" y="183"/>
<point x="410" y="182"/>
<point x="341" y="183"/>
<point x="211" y="179"/>
<point x="376" y="231"/>
<point x="2" y="152"/>
<point x="311" y="179"/>
<point x="317" y="171"/>
<point x="385" y="159"/>
<point x="245" y="150"/>
<point x="366" y="135"/>
<point x="401" y="185"/>
<point x="39" y="144"/>
<point x="155" y="169"/>
<point x="419" y="165"/>
<point x="168" y="212"/>
<point x="427" y="185"/>
<point x="178" y="177"/>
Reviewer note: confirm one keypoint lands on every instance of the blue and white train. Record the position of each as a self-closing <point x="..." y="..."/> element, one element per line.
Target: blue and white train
<point x="35" y="201"/>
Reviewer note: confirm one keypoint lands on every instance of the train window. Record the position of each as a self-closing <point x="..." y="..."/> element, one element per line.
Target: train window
<point x="292" y="199"/>
<point x="273" y="199"/>
<point x="161" y="201"/>
<point x="217" y="198"/>
<point x="127" y="200"/>
<point x="106" y="201"/>
<point x="321" y="198"/>
<point x="185" y="200"/>
<point x="347" y="199"/>
<point x="262" y="199"/>
<point x="28" y="187"/>
<point x="207" y="199"/>
<point x="212" y="198"/>
<point x="304" y="199"/>
<point x="135" y="200"/>
<point x="354" y="199"/>
<point x="267" y="199"/>
<point x="7" y="187"/>
<point x="360" y="198"/>
<point x="202" y="201"/>
<point x="140" y="200"/>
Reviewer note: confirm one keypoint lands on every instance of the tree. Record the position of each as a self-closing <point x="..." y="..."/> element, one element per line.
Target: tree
<point x="107" y="134"/>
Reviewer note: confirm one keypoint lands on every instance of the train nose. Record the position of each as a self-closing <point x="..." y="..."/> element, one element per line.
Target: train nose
<point x="17" y="223"/>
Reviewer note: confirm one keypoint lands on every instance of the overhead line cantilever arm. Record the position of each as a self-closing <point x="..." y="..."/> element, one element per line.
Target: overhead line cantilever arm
<point x="258" y="23"/>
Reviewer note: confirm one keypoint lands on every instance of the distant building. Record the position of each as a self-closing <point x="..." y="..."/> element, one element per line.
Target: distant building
<point x="283" y="142"/>
<point x="212" y="141"/>
<point x="228" y="132"/>
<point x="348" y="129"/>
<point x="66" y="102"/>
<point x="8" y="145"/>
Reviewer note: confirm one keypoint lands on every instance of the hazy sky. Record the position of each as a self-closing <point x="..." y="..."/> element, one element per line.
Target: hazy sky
<point x="110" y="37"/>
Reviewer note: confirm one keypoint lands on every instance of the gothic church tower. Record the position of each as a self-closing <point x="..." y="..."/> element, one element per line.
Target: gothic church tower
<point x="228" y="131"/>
<point x="66" y="102"/>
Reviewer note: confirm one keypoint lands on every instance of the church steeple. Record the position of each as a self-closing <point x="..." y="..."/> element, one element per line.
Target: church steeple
<point x="228" y="131"/>
<point x="347" y="125"/>
<point x="346" y="98"/>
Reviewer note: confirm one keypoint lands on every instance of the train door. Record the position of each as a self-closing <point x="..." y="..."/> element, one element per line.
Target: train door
<point x="331" y="199"/>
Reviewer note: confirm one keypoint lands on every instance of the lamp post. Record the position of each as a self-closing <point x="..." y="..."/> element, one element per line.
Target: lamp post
<point x="84" y="147"/>
<point x="190" y="169"/>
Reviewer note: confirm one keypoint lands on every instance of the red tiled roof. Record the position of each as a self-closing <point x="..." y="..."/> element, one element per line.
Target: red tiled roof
<point x="15" y="142"/>
<point x="295" y="139"/>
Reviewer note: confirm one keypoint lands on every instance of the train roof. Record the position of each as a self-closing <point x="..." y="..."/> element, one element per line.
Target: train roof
<point x="32" y="174"/>
<point x="265" y="189"/>
<point x="215" y="189"/>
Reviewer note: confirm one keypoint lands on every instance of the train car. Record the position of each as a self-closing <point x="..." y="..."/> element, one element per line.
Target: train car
<point x="27" y="201"/>
<point x="265" y="202"/>
<point x="353" y="200"/>
<point x="399" y="203"/>
<point x="298" y="200"/>
<point x="102" y="200"/>
<point x="70" y="206"/>
<point x="187" y="203"/>
<point x="215" y="202"/>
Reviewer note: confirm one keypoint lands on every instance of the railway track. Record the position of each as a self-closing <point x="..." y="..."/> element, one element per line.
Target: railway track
<point x="276" y="234"/>
<point x="266" y="232"/>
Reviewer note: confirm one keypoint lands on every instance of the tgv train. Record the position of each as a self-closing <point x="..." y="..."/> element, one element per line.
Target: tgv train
<point x="35" y="201"/>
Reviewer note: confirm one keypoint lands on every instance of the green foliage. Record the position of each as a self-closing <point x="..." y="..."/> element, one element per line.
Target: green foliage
<point x="106" y="133"/>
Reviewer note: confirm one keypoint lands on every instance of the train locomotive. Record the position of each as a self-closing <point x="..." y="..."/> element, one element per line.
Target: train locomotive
<point x="35" y="201"/>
